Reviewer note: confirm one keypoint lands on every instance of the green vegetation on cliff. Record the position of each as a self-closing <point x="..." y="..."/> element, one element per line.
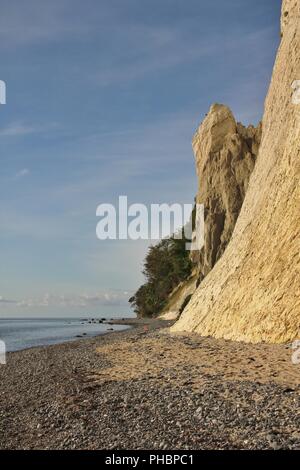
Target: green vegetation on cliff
<point x="166" y="265"/>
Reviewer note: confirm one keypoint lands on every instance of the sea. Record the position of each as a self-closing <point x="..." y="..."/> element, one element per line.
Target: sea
<point x="19" y="334"/>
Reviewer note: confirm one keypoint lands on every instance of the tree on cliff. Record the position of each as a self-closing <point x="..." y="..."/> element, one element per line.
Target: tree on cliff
<point x="166" y="264"/>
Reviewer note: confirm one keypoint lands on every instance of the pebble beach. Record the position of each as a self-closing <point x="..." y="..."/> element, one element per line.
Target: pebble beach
<point x="144" y="388"/>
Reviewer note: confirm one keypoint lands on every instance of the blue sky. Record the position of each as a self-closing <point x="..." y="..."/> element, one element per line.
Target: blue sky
<point x="103" y="97"/>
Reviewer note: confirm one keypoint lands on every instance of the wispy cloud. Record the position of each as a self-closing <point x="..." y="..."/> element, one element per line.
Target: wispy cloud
<point x="21" y="174"/>
<point x="155" y="50"/>
<point x="36" y="22"/>
<point x="105" y="298"/>
<point x="17" y="129"/>
<point x="22" y="129"/>
<point x="7" y="301"/>
<point x="145" y="51"/>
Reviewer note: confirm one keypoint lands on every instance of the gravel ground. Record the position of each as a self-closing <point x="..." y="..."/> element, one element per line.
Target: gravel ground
<point x="74" y="396"/>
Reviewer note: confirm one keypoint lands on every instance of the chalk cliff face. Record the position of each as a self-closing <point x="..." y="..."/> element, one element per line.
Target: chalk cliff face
<point x="225" y="154"/>
<point x="253" y="292"/>
<point x="179" y="298"/>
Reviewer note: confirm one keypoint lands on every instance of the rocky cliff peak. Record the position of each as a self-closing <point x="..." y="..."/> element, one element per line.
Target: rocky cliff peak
<point x="225" y="153"/>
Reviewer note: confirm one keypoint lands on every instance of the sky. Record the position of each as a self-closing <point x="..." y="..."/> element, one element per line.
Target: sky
<point x="103" y="98"/>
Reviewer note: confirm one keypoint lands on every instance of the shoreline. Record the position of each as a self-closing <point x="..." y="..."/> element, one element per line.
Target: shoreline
<point x="144" y="388"/>
<point x="130" y="322"/>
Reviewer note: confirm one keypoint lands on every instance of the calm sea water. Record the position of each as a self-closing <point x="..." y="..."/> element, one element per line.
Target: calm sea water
<point x="25" y="333"/>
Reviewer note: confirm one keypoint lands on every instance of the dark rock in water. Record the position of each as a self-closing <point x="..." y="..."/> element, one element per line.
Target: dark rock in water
<point x="110" y="329"/>
<point x="83" y="334"/>
<point x="100" y="321"/>
<point x="78" y="336"/>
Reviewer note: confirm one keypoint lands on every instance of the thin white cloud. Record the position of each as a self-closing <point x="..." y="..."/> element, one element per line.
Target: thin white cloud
<point x="6" y="301"/>
<point x="159" y="49"/>
<point x="17" y="129"/>
<point x="35" y="22"/>
<point x="154" y="51"/>
<point x="20" y="129"/>
<point x="21" y="174"/>
<point x="106" y="298"/>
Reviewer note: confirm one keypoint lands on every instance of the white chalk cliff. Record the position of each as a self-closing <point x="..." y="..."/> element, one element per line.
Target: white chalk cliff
<point x="253" y="291"/>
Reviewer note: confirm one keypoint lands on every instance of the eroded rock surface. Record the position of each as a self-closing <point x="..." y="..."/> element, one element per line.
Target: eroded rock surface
<point x="252" y="294"/>
<point x="225" y="154"/>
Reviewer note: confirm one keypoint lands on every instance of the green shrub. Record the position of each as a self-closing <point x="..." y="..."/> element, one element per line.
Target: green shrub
<point x="166" y="265"/>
